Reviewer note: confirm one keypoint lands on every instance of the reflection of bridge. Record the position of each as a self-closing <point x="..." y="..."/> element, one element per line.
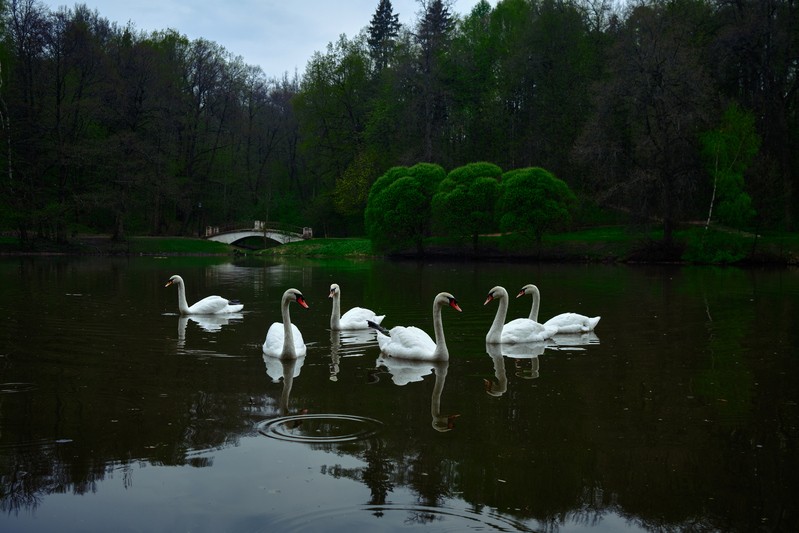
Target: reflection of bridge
<point x="275" y="231"/>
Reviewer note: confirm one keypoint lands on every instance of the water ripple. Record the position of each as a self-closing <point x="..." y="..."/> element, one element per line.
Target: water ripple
<point x="320" y="428"/>
<point x="389" y="517"/>
<point x="11" y="388"/>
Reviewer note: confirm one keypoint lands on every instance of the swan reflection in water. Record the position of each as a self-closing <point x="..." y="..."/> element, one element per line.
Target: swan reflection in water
<point x="404" y="371"/>
<point x="352" y="343"/>
<point x="287" y="370"/>
<point x="572" y="341"/>
<point x="522" y="354"/>
<point x="210" y="323"/>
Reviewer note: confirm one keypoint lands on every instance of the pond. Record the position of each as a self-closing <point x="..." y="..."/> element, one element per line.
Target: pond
<point x="678" y="413"/>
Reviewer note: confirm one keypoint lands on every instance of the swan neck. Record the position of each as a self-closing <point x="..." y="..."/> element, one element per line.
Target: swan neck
<point x="536" y="303"/>
<point x="441" y="351"/>
<point x="183" y="305"/>
<point x="288" y="335"/>
<point x="495" y="332"/>
<point x="335" y="315"/>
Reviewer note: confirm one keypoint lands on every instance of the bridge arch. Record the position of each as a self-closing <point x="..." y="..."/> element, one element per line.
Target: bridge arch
<point x="280" y="233"/>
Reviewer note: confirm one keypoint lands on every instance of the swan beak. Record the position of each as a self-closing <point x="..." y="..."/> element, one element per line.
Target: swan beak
<point x="453" y="304"/>
<point x="331" y="294"/>
<point x="168" y="283"/>
<point x="302" y="302"/>
<point x="489" y="298"/>
<point x="521" y="293"/>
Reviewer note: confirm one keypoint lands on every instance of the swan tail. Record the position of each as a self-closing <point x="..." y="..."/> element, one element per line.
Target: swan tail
<point x="377" y="326"/>
<point x="592" y="322"/>
<point x="378" y="319"/>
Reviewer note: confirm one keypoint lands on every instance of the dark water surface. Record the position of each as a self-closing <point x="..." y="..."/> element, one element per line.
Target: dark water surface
<point x="118" y="415"/>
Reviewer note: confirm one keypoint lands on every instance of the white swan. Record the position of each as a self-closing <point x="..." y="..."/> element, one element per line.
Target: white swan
<point x="355" y="318"/>
<point x="564" y="322"/>
<point x="413" y="343"/>
<point x="210" y="305"/>
<point x="515" y="331"/>
<point x="284" y="340"/>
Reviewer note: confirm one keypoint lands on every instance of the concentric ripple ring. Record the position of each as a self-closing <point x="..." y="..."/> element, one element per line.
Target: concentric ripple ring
<point x="320" y="428"/>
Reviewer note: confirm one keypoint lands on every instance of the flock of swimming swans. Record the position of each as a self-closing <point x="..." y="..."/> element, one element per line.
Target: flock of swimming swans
<point x="284" y="340"/>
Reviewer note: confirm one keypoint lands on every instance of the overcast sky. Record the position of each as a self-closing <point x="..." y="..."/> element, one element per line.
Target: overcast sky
<point x="277" y="35"/>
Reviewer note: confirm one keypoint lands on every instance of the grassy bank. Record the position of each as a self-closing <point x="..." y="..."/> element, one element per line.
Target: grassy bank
<point x="333" y="248"/>
<point x="605" y="244"/>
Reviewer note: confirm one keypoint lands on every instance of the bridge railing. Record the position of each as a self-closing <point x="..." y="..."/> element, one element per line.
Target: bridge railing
<point x="260" y="226"/>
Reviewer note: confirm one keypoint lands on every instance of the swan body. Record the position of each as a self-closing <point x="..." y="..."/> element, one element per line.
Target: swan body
<point x="520" y="330"/>
<point x="573" y="323"/>
<point x="564" y="322"/>
<point x="355" y="318"/>
<point x="284" y="340"/>
<point x="210" y="305"/>
<point x="413" y="343"/>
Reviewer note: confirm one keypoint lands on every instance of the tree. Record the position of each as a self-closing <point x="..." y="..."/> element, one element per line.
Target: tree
<point x="332" y="108"/>
<point x="398" y="209"/>
<point x="728" y="151"/>
<point x="754" y="56"/>
<point x="383" y="31"/>
<point x="641" y="142"/>
<point x="533" y="201"/>
<point x="464" y="204"/>
<point x="433" y="37"/>
<point x="474" y="124"/>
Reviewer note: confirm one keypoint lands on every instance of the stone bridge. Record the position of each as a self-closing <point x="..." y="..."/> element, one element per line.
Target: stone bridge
<point x="281" y="233"/>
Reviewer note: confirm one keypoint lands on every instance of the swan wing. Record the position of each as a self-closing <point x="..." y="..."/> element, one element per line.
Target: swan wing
<point x="572" y="323"/>
<point x="212" y="305"/>
<point x="408" y="342"/>
<point x="356" y="318"/>
<point x="526" y="330"/>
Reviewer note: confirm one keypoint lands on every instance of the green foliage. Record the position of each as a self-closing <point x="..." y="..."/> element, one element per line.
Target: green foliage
<point x="352" y="188"/>
<point x="728" y="151"/>
<point x="533" y="201"/>
<point x="398" y="210"/>
<point x="464" y="204"/>
<point x="715" y="246"/>
<point x="383" y="31"/>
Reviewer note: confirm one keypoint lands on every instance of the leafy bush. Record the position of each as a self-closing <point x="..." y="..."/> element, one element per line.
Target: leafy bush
<point x="398" y="209"/>
<point x="713" y="246"/>
<point x="464" y="205"/>
<point x="532" y="200"/>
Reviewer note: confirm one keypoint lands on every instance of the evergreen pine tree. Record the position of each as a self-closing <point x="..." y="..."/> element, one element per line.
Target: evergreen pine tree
<point x="383" y="29"/>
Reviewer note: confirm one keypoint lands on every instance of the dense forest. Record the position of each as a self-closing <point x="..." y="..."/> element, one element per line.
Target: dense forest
<point x="659" y="111"/>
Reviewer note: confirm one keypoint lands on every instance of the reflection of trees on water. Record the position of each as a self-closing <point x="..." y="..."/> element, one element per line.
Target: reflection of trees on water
<point x="166" y="421"/>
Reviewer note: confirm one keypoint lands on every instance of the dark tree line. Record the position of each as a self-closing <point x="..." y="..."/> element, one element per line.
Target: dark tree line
<point x="108" y="129"/>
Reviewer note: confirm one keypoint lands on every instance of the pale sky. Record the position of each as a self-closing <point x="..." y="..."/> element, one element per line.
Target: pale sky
<point x="278" y="35"/>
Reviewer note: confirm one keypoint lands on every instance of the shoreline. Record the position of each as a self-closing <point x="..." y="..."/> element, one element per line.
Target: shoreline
<point x="630" y="251"/>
